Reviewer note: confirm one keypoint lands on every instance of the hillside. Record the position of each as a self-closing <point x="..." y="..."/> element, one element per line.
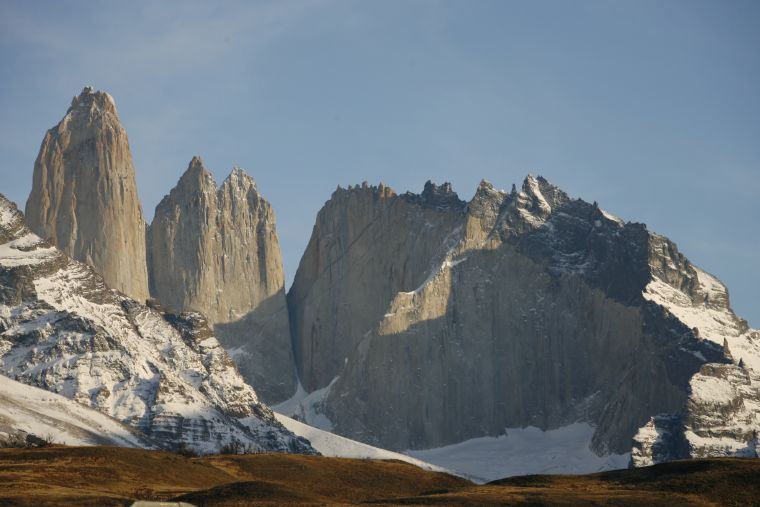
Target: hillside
<point x="106" y="476"/>
<point x="29" y="410"/>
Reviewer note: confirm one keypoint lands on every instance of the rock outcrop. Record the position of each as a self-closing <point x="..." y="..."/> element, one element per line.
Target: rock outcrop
<point x="164" y="375"/>
<point x="433" y="322"/>
<point x="368" y="244"/>
<point x="721" y="415"/>
<point x="84" y="197"/>
<point x="215" y="251"/>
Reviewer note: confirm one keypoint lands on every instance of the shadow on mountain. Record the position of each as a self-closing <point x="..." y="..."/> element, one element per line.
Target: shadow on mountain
<point x="515" y="344"/>
<point x="259" y="343"/>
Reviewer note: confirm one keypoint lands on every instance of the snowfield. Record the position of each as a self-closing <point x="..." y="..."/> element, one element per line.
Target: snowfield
<point x="521" y="451"/>
<point x="329" y="444"/>
<point x="33" y="410"/>
<point x="714" y="320"/>
<point x="524" y="451"/>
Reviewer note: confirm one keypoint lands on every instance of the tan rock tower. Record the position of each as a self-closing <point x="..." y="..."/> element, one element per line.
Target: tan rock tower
<point x="84" y="196"/>
<point x="216" y="251"/>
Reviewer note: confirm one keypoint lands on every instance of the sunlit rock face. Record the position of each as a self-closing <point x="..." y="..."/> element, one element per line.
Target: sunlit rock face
<point x="434" y="321"/>
<point x="367" y="245"/>
<point x="215" y="250"/>
<point x="84" y="196"/>
<point x="163" y="375"/>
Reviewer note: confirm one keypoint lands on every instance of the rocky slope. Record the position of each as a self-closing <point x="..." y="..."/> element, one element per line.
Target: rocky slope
<point x="62" y="329"/>
<point x="215" y="250"/>
<point x="84" y="197"/>
<point x="27" y="412"/>
<point x="721" y="416"/>
<point x="433" y="321"/>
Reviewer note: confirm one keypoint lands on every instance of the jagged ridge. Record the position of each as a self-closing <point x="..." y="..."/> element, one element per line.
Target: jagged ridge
<point x="215" y="250"/>
<point x="521" y="308"/>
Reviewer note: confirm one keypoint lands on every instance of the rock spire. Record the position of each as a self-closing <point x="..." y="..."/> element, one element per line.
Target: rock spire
<point x="84" y="196"/>
<point x="215" y="250"/>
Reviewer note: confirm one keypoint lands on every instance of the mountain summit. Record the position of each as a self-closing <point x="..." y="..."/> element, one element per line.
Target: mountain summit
<point x="84" y="196"/>
<point x="215" y="250"/>
<point x="423" y="323"/>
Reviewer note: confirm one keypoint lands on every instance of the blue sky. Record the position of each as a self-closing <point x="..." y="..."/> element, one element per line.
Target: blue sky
<point x="650" y="108"/>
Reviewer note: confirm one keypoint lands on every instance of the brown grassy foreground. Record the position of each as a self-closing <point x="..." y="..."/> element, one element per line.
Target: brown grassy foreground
<point x="118" y="476"/>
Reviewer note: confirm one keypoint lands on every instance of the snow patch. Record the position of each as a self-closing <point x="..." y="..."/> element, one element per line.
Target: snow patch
<point x="22" y="251"/>
<point x="712" y="317"/>
<point x="7" y="213"/>
<point x="45" y="414"/>
<point x="523" y="451"/>
<point x="449" y="245"/>
<point x="329" y="444"/>
<point x="711" y="390"/>
<point x="308" y="407"/>
<point x="535" y="192"/>
<point x="610" y="216"/>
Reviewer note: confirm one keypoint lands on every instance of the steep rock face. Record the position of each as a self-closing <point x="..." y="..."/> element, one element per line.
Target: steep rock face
<point x="367" y="245"/>
<point x="531" y="309"/>
<point x="84" y="197"/>
<point x="64" y="330"/>
<point x="215" y="251"/>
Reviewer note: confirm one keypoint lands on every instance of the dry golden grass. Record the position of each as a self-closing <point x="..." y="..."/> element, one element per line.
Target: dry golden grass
<point x="118" y="476"/>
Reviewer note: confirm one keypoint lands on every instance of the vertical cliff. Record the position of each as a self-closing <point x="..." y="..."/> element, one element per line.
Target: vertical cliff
<point x="84" y="196"/>
<point x="367" y="245"/>
<point x="215" y="250"/>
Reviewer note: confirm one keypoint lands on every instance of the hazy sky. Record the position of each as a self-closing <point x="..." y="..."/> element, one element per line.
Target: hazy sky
<point x="651" y="108"/>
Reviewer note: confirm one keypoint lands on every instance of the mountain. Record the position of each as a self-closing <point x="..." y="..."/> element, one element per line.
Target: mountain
<point x="215" y="250"/>
<point x="421" y="321"/>
<point x="28" y="410"/>
<point x="367" y="245"/>
<point x="416" y="322"/>
<point x="164" y="375"/>
<point x="84" y="196"/>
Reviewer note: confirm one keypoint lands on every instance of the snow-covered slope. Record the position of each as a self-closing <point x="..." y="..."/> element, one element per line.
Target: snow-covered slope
<point x="703" y="306"/>
<point x="62" y="329"/>
<point x="308" y="407"/>
<point x="721" y="416"/>
<point x="30" y="410"/>
<point x="329" y="444"/>
<point x="522" y="451"/>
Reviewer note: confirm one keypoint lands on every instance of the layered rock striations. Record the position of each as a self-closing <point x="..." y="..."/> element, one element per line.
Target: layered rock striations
<point x="215" y="250"/>
<point x="433" y="323"/>
<point x="84" y="197"/>
<point x="164" y="375"/>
